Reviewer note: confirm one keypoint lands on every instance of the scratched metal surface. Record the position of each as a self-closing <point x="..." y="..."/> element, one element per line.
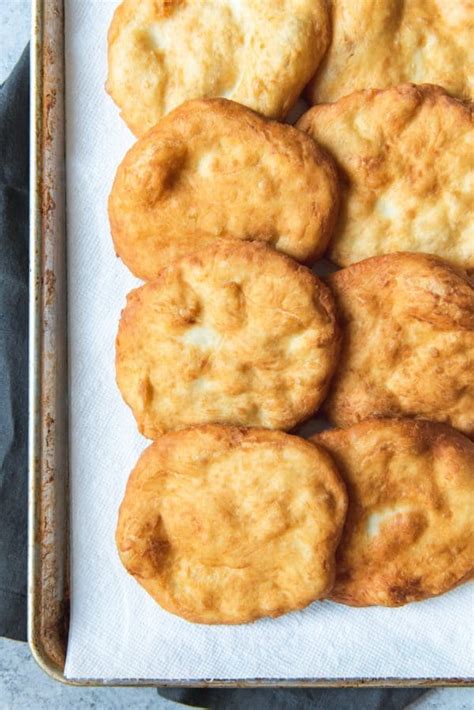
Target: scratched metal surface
<point x="48" y="589"/>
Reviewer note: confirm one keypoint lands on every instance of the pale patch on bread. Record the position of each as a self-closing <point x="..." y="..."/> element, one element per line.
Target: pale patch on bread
<point x="202" y="337"/>
<point x="377" y="522"/>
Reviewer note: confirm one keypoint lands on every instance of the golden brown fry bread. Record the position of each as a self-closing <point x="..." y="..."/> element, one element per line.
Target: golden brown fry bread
<point x="256" y="52"/>
<point x="381" y="43"/>
<point x="408" y="342"/>
<point x="409" y="532"/>
<point x="237" y="334"/>
<point x="214" y="170"/>
<point x="224" y="525"/>
<point x="407" y="157"/>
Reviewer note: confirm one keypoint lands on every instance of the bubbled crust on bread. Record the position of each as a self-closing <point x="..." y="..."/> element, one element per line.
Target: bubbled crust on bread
<point x="223" y="525"/>
<point x="216" y="170"/>
<point x="382" y="43"/>
<point x="236" y="334"/>
<point x="406" y="158"/>
<point x="260" y="54"/>
<point x="408" y="533"/>
<point x="408" y="342"/>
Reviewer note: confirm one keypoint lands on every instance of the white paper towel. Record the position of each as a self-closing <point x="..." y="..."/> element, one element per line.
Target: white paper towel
<point x="117" y="631"/>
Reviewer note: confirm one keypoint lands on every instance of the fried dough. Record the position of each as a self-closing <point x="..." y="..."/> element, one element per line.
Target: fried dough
<point x="381" y="43"/>
<point x="236" y="334"/>
<point x="213" y="170"/>
<point x="408" y="342"/>
<point x="409" y="532"/>
<point x="223" y="525"/>
<point x="258" y="53"/>
<point x="406" y="157"/>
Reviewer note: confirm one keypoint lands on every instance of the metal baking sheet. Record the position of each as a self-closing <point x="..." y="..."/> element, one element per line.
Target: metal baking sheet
<point x="48" y="584"/>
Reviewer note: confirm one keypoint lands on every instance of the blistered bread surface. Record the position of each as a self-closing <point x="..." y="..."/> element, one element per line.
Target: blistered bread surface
<point x="408" y="342"/>
<point x="214" y="170"/>
<point x="381" y="43"/>
<point x="409" y="532"/>
<point x="258" y="53"/>
<point x="224" y="525"/>
<point x="406" y="156"/>
<point x="236" y="334"/>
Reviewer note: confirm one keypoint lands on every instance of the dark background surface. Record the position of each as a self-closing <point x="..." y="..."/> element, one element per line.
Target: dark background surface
<point x="14" y="157"/>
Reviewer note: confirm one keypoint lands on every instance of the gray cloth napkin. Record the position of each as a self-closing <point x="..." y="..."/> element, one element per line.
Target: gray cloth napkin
<point x="14" y="156"/>
<point x="295" y="698"/>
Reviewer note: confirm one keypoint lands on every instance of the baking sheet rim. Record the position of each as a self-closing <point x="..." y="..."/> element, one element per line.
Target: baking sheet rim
<point x="47" y="299"/>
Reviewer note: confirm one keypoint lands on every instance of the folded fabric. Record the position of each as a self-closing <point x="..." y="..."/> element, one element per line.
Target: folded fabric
<point x="294" y="698"/>
<point x="14" y="158"/>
